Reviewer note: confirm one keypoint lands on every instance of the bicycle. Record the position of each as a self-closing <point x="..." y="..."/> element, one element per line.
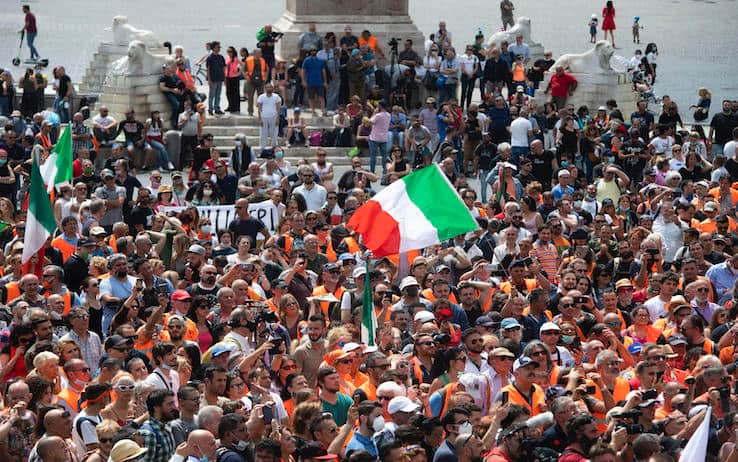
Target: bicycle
<point x="201" y="75"/>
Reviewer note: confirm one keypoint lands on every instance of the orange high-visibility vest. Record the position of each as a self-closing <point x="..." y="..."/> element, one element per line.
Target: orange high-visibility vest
<point x="321" y="290"/>
<point x="67" y="301"/>
<point x="428" y="295"/>
<point x="535" y="406"/>
<point x="64" y="247"/>
<point x="250" y="68"/>
<point x="622" y="388"/>
<point x="12" y="291"/>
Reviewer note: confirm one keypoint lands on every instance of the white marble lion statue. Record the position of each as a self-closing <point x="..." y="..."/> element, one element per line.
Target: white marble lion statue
<point x="140" y="61"/>
<point x="594" y="61"/>
<point x="522" y="26"/>
<point x="124" y="33"/>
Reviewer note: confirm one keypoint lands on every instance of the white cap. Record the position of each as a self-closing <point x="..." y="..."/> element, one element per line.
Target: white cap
<point x="549" y="326"/>
<point x="351" y="346"/>
<point x="424" y="316"/>
<point x="401" y="404"/>
<point x="509" y="165"/>
<point x="359" y="271"/>
<point x="408" y="281"/>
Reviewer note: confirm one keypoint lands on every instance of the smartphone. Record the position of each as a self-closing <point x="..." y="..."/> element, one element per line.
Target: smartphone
<point x="139" y="284"/>
<point x="650" y="394"/>
<point x="504" y="396"/>
<point x="591" y="389"/>
<point x="268" y="414"/>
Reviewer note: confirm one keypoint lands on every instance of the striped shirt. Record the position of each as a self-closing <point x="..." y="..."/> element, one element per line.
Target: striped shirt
<point x="548" y="257"/>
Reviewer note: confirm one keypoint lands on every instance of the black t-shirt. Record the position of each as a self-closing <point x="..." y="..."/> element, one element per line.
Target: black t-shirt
<point x="349" y="42"/>
<point x="15" y="151"/>
<point x="266" y="46"/>
<point x="485" y="152"/>
<point x="216" y="67"/>
<point x="131" y="129"/>
<point x="633" y="166"/>
<point x="248" y="227"/>
<point x="543" y="168"/>
<point x="64" y="83"/>
<point x="646" y="121"/>
<point x="141" y="216"/>
<point x="169" y="81"/>
<point x="92" y="182"/>
<point x="723" y="126"/>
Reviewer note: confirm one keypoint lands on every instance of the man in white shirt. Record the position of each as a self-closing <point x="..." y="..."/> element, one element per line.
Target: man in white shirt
<point x="164" y="377"/>
<point x="469" y="68"/>
<point x="520" y="48"/>
<point x="671" y="229"/>
<point x="240" y="333"/>
<point x="729" y="147"/>
<point x="268" y="105"/>
<point x="520" y="131"/>
<point x="500" y="369"/>
<point x="313" y="193"/>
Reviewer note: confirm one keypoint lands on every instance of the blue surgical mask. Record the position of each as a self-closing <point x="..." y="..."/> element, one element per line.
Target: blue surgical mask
<point x="564" y="163"/>
<point x="568" y="339"/>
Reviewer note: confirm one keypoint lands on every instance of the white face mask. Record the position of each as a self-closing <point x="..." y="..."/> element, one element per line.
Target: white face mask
<point x="241" y="445"/>
<point x="207" y="192"/>
<point x="465" y="429"/>
<point x="207" y="229"/>
<point x="378" y="424"/>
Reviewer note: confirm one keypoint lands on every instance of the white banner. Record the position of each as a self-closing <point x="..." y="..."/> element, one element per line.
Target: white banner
<point x="696" y="448"/>
<point x="222" y="215"/>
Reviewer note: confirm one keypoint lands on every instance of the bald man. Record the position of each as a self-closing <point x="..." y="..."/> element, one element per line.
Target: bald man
<point x="58" y="423"/>
<point x="202" y="444"/>
<point x="52" y="449"/>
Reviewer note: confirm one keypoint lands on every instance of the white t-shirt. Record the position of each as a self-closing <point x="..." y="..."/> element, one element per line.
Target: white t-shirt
<point x="729" y="149"/>
<point x="269" y="104"/>
<point x="467" y="63"/>
<point x="662" y="145"/>
<point x="103" y="121"/>
<point x="86" y="434"/>
<point x="656" y="308"/>
<point x="519" y="129"/>
<point x="314" y="197"/>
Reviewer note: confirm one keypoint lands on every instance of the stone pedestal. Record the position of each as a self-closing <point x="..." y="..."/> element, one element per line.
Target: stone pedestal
<point x="385" y="19"/>
<point x="107" y="53"/>
<point x="138" y="92"/>
<point x="592" y="89"/>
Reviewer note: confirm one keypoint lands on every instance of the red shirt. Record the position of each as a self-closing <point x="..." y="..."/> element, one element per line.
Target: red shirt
<point x="560" y="84"/>
<point x="30" y="23"/>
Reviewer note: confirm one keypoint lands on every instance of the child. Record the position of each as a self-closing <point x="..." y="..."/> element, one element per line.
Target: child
<point x="637" y="29"/>
<point x="593" y="21"/>
<point x="702" y="108"/>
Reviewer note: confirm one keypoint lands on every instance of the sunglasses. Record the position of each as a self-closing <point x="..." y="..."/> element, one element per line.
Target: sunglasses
<point x="385" y="398"/>
<point x="125" y="387"/>
<point x="105" y="440"/>
<point x="291" y="367"/>
<point x="84" y="369"/>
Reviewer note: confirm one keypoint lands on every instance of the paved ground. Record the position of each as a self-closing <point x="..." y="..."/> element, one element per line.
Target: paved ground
<point x="692" y="34"/>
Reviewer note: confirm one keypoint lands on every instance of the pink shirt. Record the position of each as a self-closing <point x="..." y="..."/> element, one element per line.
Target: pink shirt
<point x="231" y="69"/>
<point x="380" y="127"/>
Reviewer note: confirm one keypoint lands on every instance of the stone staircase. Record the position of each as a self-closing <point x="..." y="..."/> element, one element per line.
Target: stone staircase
<point x="225" y="127"/>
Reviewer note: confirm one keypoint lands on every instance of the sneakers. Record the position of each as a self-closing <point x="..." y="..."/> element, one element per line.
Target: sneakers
<point x="219" y="112"/>
<point x="210" y="112"/>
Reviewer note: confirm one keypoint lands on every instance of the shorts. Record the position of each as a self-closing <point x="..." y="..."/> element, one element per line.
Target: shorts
<point x="315" y="92"/>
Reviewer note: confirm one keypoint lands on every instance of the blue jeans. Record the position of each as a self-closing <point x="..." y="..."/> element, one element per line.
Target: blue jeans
<point x="214" y="96"/>
<point x="163" y="154"/>
<point x="5" y="106"/>
<point x="30" y="37"/>
<point x="331" y="98"/>
<point x="395" y="138"/>
<point x="62" y="108"/>
<point x="373" y="146"/>
<point x="517" y="152"/>
<point x="447" y="92"/>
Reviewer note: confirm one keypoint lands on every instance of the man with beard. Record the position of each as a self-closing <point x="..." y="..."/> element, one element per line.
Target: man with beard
<point x="524" y="391"/>
<point x="633" y="155"/>
<point x="370" y="421"/>
<point x="693" y="328"/>
<point x="563" y="409"/>
<point x="156" y="435"/>
<point x="214" y="379"/>
<point x="333" y="401"/>
<point x="470" y="449"/>
<point x="582" y="430"/>
<point x="207" y="286"/>
<point x="474" y="344"/>
<point x="164" y="377"/>
<point x="410" y="290"/>
<point x="309" y="355"/>
<point x="456" y="423"/>
<point x="115" y="289"/>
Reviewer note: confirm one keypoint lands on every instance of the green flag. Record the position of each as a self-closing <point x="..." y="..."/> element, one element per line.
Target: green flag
<point x="368" y="319"/>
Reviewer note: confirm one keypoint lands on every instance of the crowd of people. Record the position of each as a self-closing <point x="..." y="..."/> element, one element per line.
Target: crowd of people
<point x="591" y="316"/>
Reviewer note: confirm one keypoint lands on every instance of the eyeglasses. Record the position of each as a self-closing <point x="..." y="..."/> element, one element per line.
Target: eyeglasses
<point x="703" y="289"/>
<point x="427" y="343"/>
<point x="84" y="369"/>
<point x="290" y="367"/>
<point x="123" y="349"/>
<point x="125" y="387"/>
<point x="345" y="361"/>
<point x="176" y="326"/>
<point x="567" y="305"/>
<point x="81" y="316"/>
<point x="538" y="353"/>
<point x="656" y="358"/>
<point x="105" y="440"/>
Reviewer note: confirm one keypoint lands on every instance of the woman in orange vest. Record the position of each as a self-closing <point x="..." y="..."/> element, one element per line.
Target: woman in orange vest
<point x="641" y="330"/>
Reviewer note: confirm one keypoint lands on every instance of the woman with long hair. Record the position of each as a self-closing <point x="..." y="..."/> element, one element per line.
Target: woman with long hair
<point x="191" y="353"/>
<point x="641" y="330"/>
<point x="128" y="314"/>
<point x="232" y="73"/>
<point x="448" y="364"/>
<point x="702" y="108"/>
<point x="608" y="21"/>
<point x="12" y="363"/>
<point x="42" y="394"/>
<point x="7" y="211"/>
<point x="207" y="194"/>
<point x="225" y="244"/>
<point x="198" y="312"/>
<point x="235" y="386"/>
<point x="532" y="220"/>
<point x="154" y="129"/>
<point x="90" y="296"/>
<point x="290" y="315"/>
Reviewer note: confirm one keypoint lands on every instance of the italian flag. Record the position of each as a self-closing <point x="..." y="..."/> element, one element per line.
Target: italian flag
<point x="417" y="211"/>
<point x="57" y="168"/>
<point x="40" y="223"/>
<point x="368" y="318"/>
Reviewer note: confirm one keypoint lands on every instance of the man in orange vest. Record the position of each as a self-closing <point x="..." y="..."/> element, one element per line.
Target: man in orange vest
<point x="66" y="242"/>
<point x="294" y="238"/>
<point x="524" y="391"/>
<point x="52" y="283"/>
<point x="330" y="275"/>
<point x="376" y="365"/>
<point x="255" y="72"/>
<point x="78" y="375"/>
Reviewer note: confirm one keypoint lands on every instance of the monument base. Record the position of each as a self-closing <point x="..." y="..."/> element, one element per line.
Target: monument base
<point x="383" y="27"/>
<point x="593" y="90"/>
<point x="107" y="53"/>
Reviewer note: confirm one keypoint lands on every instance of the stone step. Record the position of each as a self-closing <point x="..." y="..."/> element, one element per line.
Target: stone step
<point x="231" y="120"/>
<point x="248" y="130"/>
<point x="337" y="156"/>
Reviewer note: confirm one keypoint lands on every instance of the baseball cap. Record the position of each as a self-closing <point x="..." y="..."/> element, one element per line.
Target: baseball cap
<point x="650" y="172"/>
<point x="401" y="404"/>
<point x="196" y="248"/>
<point x="677" y="339"/>
<point x="118" y="340"/>
<point x="579" y="233"/>
<point x="509" y="323"/>
<point x="98" y="231"/>
<point x="500" y="351"/>
<point x="359" y="271"/>
<point x="330" y="267"/>
<point x="424" y="316"/>
<point x="84" y="242"/>
<point x="346" y="256"/>
<point x="408" y="281"/>
<point x="635" y="348"/>
<point x="484" y="321"/>
<point x="710" y="206"/>
<point x="181" y="295"/>
<point x="606" y="202"/>
<point x="547" y="326"/>
<point x="219" y="349"/>
<point x="107" y="173"/>
<point x="509" y="165"/>
<point x="524" y="362"/>
<point x="351" y="346"/>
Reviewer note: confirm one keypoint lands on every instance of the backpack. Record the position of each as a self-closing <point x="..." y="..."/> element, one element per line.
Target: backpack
<point x="327" y="138"/>
<point x="315" y="138"/>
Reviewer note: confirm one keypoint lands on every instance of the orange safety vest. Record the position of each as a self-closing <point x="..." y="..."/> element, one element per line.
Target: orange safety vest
<point x="506" y="286"/>
<point x="64" y="247"/>
<point x="652" y="333"/>
<point x="45" y="141"/>
<point x="370" y="390"/>
<point x="191" y="334"/>
<point x="12" y="291"/>
<point x="446" y="392"/>
<point x="428" y="295"/>
<point x="351" y="243"/>
<point x="410" y="255"/>
<point x="71" y="398"/>
<point x="622" y="388"/>
<point x="113" y="242"/>
<point x="321" y="290"/>
<point x="250" y="68"/>
<point x="535" y="406"/>
<point x="67" y="300"/>
<point x="186" y="78"/>
<point x="371" y="41"/>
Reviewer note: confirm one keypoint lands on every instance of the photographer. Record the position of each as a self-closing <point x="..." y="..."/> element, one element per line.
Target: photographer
<point x="266" y="40"/>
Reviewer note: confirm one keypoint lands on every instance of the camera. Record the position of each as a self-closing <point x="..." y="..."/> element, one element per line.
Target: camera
<point x="394" y="43"/>
<point x="267" y="316"/>
<point x="652" y="252"/>
<point x="631" y="429"/>
<point x="443" y="339"/>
